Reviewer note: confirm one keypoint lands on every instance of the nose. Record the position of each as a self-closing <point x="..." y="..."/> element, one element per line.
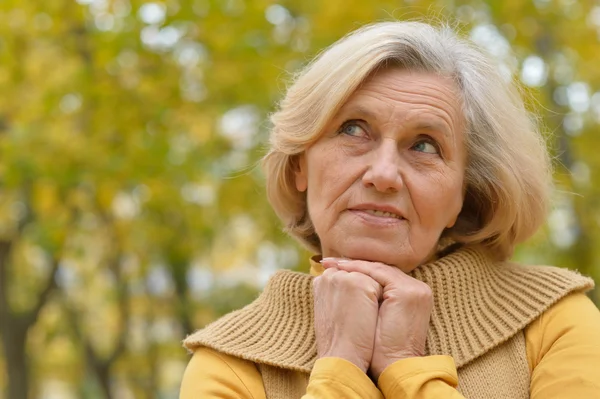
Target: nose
<point x="383" y="173"/>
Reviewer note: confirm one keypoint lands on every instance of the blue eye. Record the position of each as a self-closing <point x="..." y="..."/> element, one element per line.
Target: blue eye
<point x="426" y="147"/>
<point x="352" y="129"/>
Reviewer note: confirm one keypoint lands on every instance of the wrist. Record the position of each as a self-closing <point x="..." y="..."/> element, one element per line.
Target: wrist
<point x="377" y="368"/>
<point x="356" y="360"/>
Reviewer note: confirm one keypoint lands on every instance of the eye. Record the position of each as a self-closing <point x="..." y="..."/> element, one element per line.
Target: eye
<point x="427" y="146"/>
<point x="352" y="128"/>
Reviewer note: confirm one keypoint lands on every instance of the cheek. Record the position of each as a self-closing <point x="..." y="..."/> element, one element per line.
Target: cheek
<point x="329" y="188"/>
<point x="323" y="172"/>
<point x="438" y="199"/>
<point x="453" y="200"/>
<point x="326" y="190"/>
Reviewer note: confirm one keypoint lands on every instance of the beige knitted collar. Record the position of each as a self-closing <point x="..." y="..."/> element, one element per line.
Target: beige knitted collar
<point x="478" y="304"/>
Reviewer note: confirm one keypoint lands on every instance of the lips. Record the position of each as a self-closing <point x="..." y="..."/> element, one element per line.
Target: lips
<point x="379" y="210"/>
<point x="382" y="213"/>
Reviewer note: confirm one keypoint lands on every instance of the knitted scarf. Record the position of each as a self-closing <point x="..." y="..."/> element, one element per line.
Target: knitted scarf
<point x="480" y="310"/>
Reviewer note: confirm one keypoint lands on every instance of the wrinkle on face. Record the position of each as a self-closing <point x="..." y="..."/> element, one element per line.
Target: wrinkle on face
<point x="442" y="103"/>
<point x="397" y="111"/>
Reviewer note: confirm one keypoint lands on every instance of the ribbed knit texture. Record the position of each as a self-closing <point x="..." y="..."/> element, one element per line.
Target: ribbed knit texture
<point x="478" y="305"/>
<point x="276" y="329"/>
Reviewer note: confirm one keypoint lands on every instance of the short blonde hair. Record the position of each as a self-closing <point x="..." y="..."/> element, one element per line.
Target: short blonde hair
<point x="508" y="175"/>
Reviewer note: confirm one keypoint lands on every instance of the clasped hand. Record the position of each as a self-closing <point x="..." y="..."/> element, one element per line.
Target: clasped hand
<point x="370" y="314"/>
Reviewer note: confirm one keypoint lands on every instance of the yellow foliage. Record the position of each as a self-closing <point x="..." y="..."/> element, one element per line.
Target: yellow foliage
<point x="113" y="161"/>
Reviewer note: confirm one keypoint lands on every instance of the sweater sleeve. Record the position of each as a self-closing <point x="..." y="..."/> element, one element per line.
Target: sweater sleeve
<point x="563" y="350"/>
<point x="333" y="378"/>
<point x="420" y="377"/>
<point x="211" y="375"/>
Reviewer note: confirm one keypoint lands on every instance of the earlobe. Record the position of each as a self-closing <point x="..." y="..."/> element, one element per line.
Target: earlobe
<point x="300" y="174"/>
<point x="459" y="205"/>
<point x="452" y="223"/>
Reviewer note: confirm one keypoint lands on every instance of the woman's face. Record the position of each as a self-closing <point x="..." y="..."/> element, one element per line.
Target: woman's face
<point x="386" y="176"/>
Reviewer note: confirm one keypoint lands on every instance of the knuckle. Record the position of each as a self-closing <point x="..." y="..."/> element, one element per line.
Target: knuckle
<point x="357" y="280"/>
<point x="421" y="291"/>
<point x="425" y="290"/>
<point x="374" y="289"/>
<point x="380" y="266"/>
<point x="335" y="278"/>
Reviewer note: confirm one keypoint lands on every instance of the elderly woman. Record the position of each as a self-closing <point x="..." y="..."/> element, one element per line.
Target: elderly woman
<point x="409" y="165"/>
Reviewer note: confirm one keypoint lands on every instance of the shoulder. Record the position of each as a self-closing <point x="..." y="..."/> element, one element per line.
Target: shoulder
<point x="210" y="372"/>
<point x="562" y="290"/>
<point x="571" y="309"/>
<point x="546" y="281"/>
<point x="514" y="266"/>
<point x="563" y="351"/>
<point x="573" y="312"/>
<point x="286" y="301"/>
<point x="572" y="324"/>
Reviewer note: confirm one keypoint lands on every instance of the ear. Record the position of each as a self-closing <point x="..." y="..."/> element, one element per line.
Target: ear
<point x="300" y="172"/>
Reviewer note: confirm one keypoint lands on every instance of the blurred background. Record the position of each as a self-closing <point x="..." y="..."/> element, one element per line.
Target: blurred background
<point x="132" y="210"/>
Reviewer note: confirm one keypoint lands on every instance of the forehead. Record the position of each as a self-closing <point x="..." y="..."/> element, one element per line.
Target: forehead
<point x="398" y="93"/>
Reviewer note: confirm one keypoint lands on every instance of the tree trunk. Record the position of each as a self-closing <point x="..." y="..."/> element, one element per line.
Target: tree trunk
<point x="14" y="326"/>
<point x="14" y="339"/>
<point x="13" y="331"/>
<point x="103" y="376"/>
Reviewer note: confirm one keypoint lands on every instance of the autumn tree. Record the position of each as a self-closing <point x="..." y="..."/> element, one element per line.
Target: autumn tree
<point x="132" y="207"/>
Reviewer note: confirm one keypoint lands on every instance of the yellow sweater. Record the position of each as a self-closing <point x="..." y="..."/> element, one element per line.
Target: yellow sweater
<point x="563" y="355"/>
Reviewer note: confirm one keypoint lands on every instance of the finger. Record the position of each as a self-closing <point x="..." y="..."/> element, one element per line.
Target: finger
<point x="383" y="274"/>
<point x="330" y="262"/>
<point x="330" y="270"/>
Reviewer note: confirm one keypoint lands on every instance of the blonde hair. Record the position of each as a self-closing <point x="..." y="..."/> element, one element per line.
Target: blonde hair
<point x="508" y="175"/>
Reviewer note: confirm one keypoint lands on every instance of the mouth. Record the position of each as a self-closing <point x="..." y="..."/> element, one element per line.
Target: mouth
<point x="381" y="214"/>
<point x="379" y="211"/>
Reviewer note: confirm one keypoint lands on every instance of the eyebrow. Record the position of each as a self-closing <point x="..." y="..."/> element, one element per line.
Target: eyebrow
<point x="362" y="112"/>
<point x="433" y="126"/>
<point x="357" y="110"/>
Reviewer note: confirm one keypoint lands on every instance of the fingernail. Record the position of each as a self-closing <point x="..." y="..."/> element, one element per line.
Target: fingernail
<point x="332" y="260"/>
<point x="328" y="261"/>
